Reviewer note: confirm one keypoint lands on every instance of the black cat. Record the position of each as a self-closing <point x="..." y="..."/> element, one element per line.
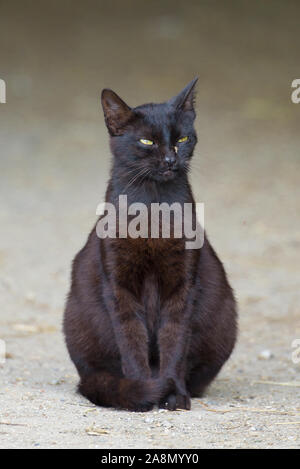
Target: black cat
<point x="148" y="321"/>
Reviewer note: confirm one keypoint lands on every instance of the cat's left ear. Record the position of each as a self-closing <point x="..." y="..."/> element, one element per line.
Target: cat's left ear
<point x="186" y="98"/>
<point x="116" y="112"/>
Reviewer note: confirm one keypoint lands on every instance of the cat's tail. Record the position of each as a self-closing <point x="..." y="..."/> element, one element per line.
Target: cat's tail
<point x="107" y="390"/>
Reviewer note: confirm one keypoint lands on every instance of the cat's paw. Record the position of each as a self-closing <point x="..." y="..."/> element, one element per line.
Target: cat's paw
<point x="175" y="401"/>
<point x="168" y="402"/>
<point x="142" y="407"/>
<point x="142" y="396"/>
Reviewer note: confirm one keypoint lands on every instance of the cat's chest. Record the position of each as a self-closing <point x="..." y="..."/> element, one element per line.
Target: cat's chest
<point x="149" y="256"/>
<point x="150" y="268"/>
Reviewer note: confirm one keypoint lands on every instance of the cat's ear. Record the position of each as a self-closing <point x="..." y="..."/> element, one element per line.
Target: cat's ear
<point x="186" y="98"/>
<point x="116" y="112"/>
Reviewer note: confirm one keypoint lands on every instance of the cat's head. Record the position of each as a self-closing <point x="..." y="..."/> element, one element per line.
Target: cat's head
<point x="152" y="141"/>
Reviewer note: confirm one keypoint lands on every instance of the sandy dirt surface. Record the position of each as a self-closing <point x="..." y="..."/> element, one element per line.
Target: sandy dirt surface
<point x="54" y="167"/>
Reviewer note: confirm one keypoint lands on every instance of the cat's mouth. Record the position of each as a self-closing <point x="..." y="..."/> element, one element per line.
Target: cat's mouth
<point x="169" y="173"/>
<point x="165" y="174"/>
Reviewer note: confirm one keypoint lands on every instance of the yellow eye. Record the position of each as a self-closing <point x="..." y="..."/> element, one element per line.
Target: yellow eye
<point x="146" y="142"/>
<point x="182" y="139"/>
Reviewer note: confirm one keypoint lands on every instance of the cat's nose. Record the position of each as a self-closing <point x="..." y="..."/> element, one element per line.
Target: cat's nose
<point x="170" y="159"/>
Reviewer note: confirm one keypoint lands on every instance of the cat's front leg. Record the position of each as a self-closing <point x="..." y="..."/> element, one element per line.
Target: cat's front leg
<point x="131" y="334"/>
<point x="173" y="370"/>
<point x="173" y="339"/>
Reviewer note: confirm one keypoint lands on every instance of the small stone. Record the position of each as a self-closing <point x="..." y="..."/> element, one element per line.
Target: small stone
<point x="167" y="425"/>
<point x="265" y="355"/>
<point x="149" y="420"/>
<point x="30" y="296"/>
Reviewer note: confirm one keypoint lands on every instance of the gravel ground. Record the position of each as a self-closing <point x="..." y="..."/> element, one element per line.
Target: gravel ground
<point x="54" y="167"/>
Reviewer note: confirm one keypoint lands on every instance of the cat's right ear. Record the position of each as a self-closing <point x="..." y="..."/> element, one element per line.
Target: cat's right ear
<point x="116" y="112"/>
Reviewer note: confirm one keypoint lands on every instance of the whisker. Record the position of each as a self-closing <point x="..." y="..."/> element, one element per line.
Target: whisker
<point x="140" y="173"/>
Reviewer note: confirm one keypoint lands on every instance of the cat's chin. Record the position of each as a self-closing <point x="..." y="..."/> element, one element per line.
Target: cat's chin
<point x="164" y="176"/>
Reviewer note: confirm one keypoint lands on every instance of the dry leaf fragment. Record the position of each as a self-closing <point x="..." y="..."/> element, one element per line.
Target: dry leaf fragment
<point x="286" y="423"/>
<point x="33" y="328"/>
<point x="95" y="431"/>
<point x="25" y="328"/>
<point x="249" y="409"/>
<point x="288" y="383"/>
<point x="14" y="424"/>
